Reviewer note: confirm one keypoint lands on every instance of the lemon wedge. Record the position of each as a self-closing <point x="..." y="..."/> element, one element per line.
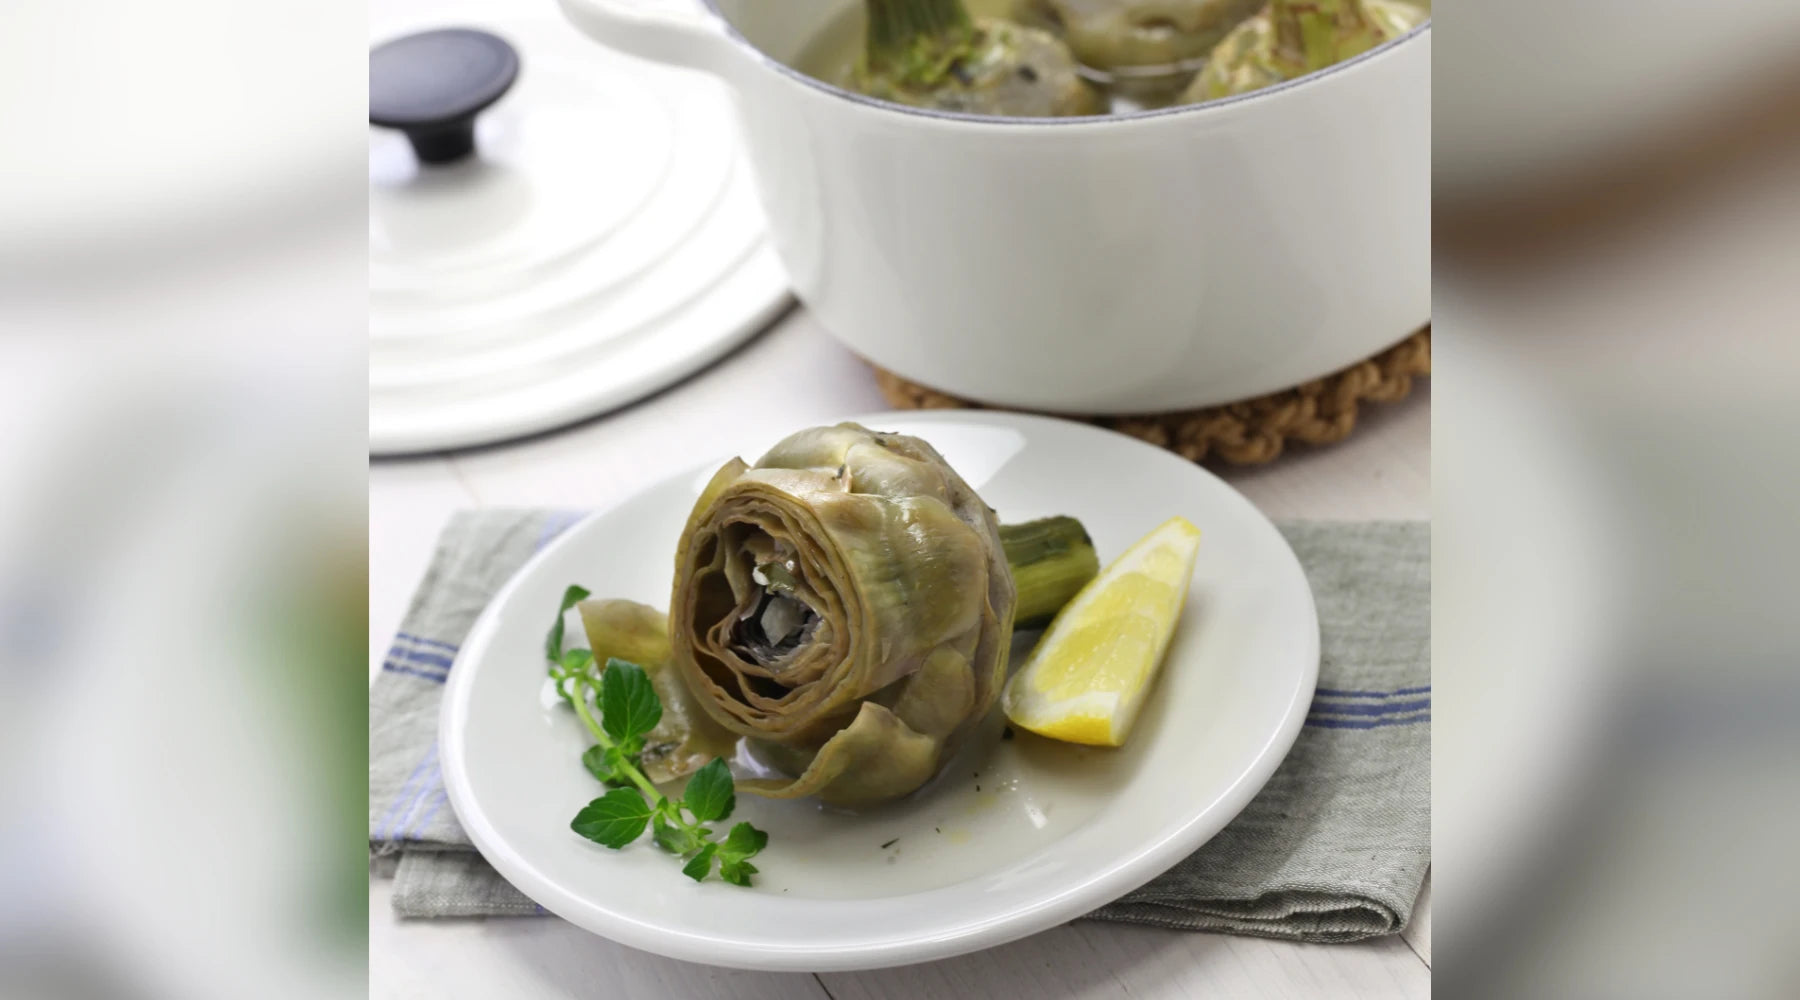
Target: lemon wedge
<point x="1087" y="678"/>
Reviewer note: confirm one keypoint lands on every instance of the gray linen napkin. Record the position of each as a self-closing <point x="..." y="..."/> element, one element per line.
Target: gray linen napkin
<point x="1333" y="849"/>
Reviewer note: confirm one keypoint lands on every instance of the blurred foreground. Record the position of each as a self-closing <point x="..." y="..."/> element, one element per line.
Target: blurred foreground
<point x="1615" y="461"/>
<point x="182" y="500"/>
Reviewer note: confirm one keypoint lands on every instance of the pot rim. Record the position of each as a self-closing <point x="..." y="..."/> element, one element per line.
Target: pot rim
<point x="965" y="118"/>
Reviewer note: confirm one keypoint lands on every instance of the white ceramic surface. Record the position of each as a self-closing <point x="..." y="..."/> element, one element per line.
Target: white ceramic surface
<point x="1051" y="832"/>
<point x="1125" y="264"/>
<point x="604" y="241"/>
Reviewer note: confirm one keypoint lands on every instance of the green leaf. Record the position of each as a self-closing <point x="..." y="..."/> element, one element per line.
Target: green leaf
<point x="743" y="841"/>
<point x="709" y="794"/>
<point x="594" y="759"/>
<point x="571" y="673"/>
<point x="629" y="707"/>
<point x="736" y="872"/>
<point x="576" y="661"/>
<point x="553" y="642"/>
<point x="606" y="764"/>
<point x="674" y="838"/>
<point x="701" y="865"/>
<point x="614" y="819"/>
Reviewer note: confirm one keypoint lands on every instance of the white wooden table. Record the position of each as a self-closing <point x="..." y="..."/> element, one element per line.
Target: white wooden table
<point x="794" y="376"/>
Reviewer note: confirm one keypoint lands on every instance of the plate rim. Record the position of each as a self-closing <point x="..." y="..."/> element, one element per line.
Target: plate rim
<point x="1116" y="879"/>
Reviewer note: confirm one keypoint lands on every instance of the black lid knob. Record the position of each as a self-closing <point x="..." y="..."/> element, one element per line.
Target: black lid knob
<point x="432" y="85"/>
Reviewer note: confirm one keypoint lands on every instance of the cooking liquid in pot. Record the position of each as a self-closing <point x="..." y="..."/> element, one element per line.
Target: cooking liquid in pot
<point x="832" y="53"/>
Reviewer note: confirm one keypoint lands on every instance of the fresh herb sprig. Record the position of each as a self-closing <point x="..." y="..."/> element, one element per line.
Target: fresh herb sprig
<point x="629" y="709"/>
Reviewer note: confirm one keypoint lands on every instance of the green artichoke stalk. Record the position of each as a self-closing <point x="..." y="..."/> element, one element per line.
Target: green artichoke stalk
<point x="847" y="604"/>
<point x="932" y="54"/>
<point x="1050" y="561"/>
<point x="1147" y="49"/>
<point x="1291" y="38"/>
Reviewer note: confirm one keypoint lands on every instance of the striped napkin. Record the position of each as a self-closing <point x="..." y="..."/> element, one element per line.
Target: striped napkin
<point x="1333" y="849"/>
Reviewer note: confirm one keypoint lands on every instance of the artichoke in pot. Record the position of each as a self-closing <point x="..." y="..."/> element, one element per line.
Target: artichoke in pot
<point x="847" y="605"/>
<point x="1148" y="49"/>
<point x="933" y="54"/>
<point x="1291" y="38"/>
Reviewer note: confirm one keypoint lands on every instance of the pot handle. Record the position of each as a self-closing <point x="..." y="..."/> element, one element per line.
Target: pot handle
<point x="676" y="37"/>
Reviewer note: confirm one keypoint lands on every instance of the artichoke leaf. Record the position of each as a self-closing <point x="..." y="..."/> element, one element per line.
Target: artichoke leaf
<point x="873" y="760"/>
<point x="686" y="738"/>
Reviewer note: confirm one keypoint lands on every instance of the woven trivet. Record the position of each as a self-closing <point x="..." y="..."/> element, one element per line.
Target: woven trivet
<point x="1322" y="411"/>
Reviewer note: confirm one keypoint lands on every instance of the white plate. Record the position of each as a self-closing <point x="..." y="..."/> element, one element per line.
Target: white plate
<point x="1014" y="837"/>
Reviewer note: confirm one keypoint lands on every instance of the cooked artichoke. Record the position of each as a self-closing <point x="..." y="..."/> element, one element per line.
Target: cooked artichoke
<point x="932" y="54"/>
<point x="1141" y="44"/>
<point x="1291" y="38"/>
<point x="685" y="738"/>
<point x="847" y="604"/>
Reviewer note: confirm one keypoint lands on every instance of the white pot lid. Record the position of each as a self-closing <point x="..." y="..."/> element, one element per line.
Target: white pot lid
<point x="602" y="241"/>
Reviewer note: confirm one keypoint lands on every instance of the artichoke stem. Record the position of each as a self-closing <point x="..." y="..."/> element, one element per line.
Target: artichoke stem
<point x="915" y="41"/>
<point x="1051" y="560"/>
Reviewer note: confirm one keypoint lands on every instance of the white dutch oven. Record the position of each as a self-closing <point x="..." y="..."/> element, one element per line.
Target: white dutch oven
<point x="1135" y="263"/>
